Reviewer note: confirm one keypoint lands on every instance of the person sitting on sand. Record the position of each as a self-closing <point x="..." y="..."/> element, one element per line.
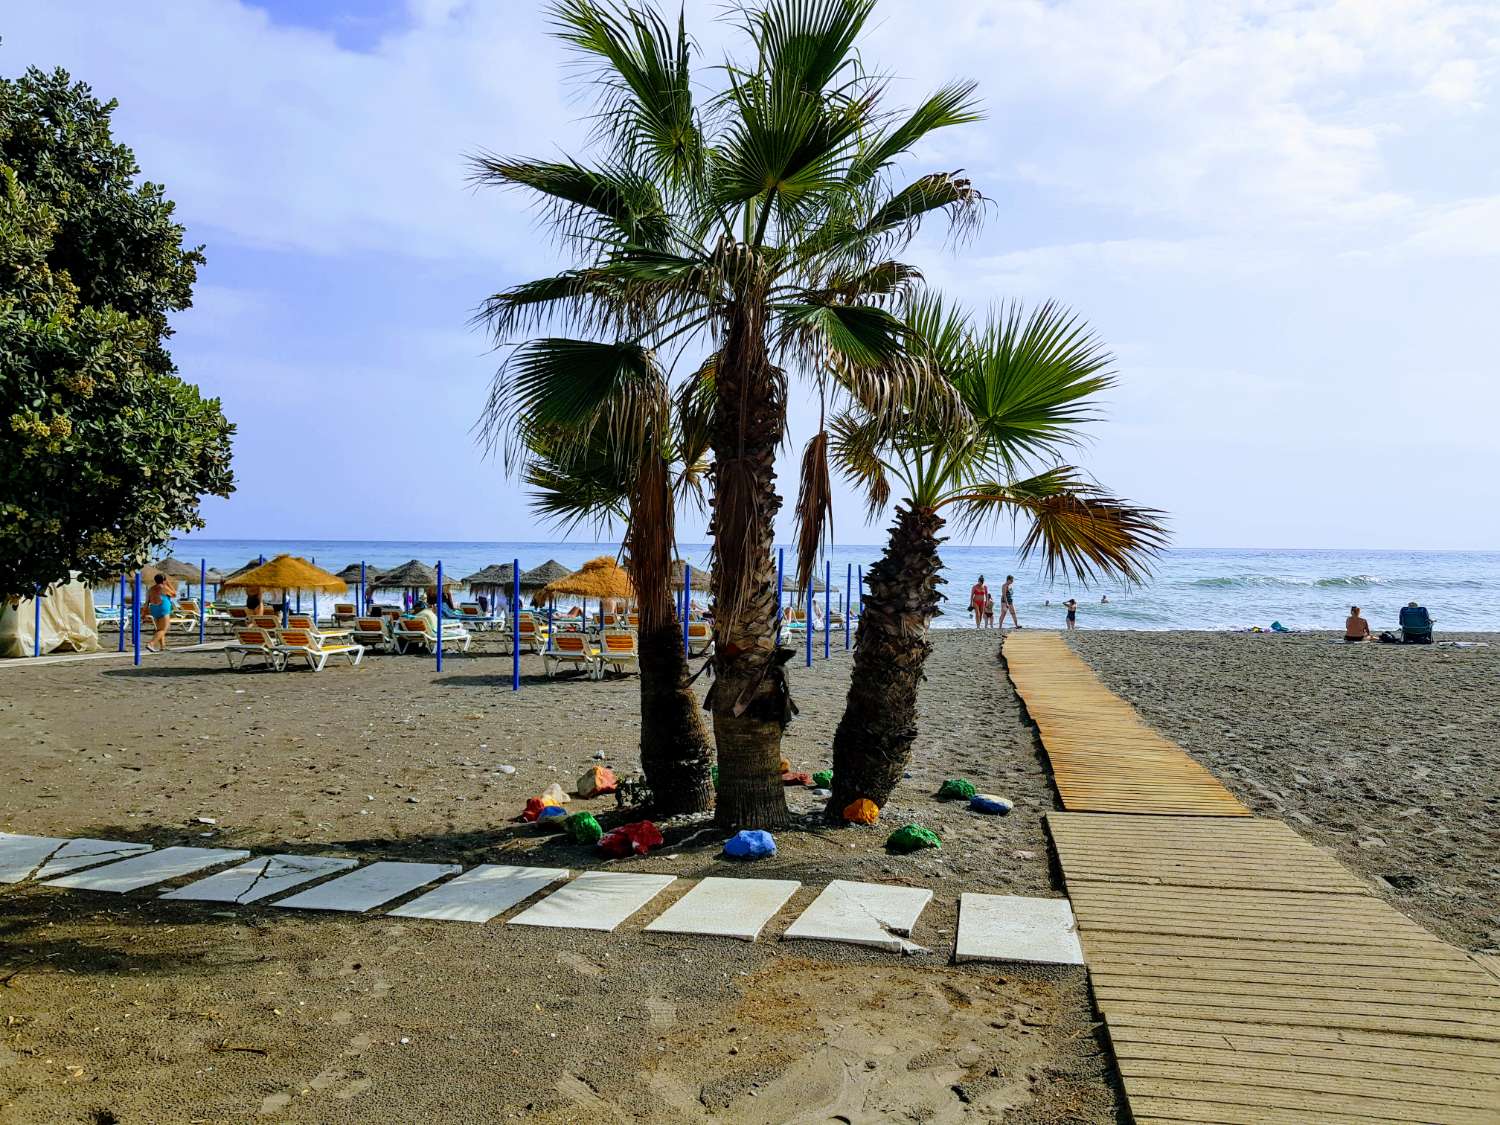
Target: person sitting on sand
<point x="1072" y="613"/>
<point x="1356" y="628"/>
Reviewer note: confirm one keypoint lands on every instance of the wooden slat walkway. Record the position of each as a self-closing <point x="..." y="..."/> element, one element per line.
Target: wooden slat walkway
<point x="1245" y="976"/>
<point x="1104" y="757"/>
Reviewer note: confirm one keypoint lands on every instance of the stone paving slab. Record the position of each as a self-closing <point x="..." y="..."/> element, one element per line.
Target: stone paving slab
<point x="144" y="870"/>
<point x="368" y="887"/>
<point x="738" y="908"/>
<point x="261" y="878"/>
<point x="596" y="900"/>
<point x="45" y="856"/>
<point x="873" y="914"/>
<point x="1010" y="928"/>
<point x="481" y="894"/>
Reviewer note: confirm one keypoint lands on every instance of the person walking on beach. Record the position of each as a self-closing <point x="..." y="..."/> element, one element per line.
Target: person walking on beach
<point x="989" y="611"/>
<point x="1072" y="613"/>
<point x="977" y="595"/>
<point x="159" y="602"/>
<point x="1008" y="602"/>
<point x="1356" y="628"/>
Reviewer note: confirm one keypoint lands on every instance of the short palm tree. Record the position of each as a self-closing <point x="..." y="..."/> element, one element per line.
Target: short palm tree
<point x="753" y="229"/>
<point x="1022" y="386"/>
<point x="639" y="458"/>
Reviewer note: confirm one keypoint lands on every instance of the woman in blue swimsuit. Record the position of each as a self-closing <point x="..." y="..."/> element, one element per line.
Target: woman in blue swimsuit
<point x="160" y="605"/>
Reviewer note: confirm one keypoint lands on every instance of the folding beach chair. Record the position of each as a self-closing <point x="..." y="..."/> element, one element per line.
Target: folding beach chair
<point x="254" y="642"/>
<point x="371" y="633"/>
<point x="573" y="649"/>
<point x="619" y="651"/>
<point x="1416" y="625"/>
<point x="344" y="613"/>
<point x="700" y="638"/>
<point x="315" y="648"/>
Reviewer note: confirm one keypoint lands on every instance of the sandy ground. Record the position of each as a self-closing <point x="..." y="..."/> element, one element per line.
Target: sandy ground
<point x="1388" y="754"/>
<point x="126" y="1009"/>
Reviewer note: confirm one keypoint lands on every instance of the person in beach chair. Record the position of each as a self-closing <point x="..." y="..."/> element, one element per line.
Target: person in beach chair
<point x="1416" y="625"/>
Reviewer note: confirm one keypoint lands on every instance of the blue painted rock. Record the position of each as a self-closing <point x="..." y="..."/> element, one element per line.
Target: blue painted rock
<point x="752" y="843"/>
<point x="986" y="803"/>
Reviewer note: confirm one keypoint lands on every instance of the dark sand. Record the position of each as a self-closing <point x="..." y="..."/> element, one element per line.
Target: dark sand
<point x="1387" y="754"/>
<point x="125" y="1008"/>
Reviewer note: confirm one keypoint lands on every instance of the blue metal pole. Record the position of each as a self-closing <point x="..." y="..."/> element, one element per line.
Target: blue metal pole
<point x="515" y="625"/>
<point x="861" y="602"/>
<point x="360" y="608"/>
<point x="315" y="600"/>
<point x="827" y="594"/>
<point x="440" y="616"/>
<point x="122" y="614"/>
<point x="847" y="600"/>
<point x="135" y="619"/>
<point x="687" y="603"/>
<point x="780" y="578"/>
<point x="36" y="628"/>
<point x="550" y="602"/>
<point x="202" y="598"/>
<point x="807" y="624"/>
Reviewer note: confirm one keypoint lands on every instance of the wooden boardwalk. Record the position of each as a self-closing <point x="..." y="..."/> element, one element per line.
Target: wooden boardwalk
<point x="1104" y="757"/>
<point x="1244" y="974"/>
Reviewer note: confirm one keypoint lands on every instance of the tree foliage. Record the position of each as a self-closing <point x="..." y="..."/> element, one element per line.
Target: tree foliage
<point x="106" y="451"/>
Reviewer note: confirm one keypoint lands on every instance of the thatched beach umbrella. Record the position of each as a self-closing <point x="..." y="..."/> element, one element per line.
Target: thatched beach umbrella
<point x="411" y="575"/>
<point x="251" y="565"/>
<point x="350" y="573"/>
<point x="789" y="584"/>
<point x="172" y="568"/>
<point x="597" y="578"/>
<point x="700" y="576"/>
<point x="538" y="576"/>
<point x="286" y="572"/>
<point x="495" y="577"/>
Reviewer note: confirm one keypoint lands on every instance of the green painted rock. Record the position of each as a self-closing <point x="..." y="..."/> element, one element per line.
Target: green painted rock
<point x="582" y="828"/>
<point x="956" y="789"/>
<point x="823" y="779"/>
<point x="911" y="837"/>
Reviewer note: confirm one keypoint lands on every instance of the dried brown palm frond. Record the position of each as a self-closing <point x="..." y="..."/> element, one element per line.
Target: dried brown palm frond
<point x="814" y="506"/>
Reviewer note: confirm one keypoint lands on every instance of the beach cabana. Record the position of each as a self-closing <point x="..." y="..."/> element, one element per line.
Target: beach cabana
<point x="287" y="573"/>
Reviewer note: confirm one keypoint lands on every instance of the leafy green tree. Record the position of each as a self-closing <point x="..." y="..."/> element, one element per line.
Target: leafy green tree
<point x="104" y="450"/>
<point x="989" y="448"/>
<point x="750" y="212"/>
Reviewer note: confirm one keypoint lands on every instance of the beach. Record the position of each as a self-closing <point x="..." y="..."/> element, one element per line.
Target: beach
<point x="175" y="1012"/>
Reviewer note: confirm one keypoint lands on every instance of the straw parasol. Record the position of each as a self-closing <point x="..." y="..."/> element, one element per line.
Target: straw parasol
<point x="538" y="576"/>
<point x="350" y="573"/>
<point x="597" y="578"/>
<point x="172" y="568"/>
<point x="212" y="576"/>
<point x="496" y="576"/>
<point x="700" y="576"/>
<point x="251" y="565"/>
<point x="789" y="584"/>
<point x="286" y="572"/>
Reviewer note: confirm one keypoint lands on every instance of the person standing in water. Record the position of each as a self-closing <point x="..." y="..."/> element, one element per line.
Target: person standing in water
<point x="1072" y="613"/>
<point x="1008" y="602"/>
<point x="989" y="611"/>
<point x="978" y="593"/>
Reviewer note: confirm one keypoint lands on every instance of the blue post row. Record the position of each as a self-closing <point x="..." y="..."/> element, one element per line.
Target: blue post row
<point x="36" y="629"/>
<point x="807" y="622"/>
<point x="360" y="608"/>
<point x="848" y="600"/>
<point x="122" y="614"/>
<point x="687" y="604"/>
<point x="202" y="597"/>
<point x="439" y="608"/>
<point x="827" y="595"/>
<point x="135" y="618"/>
<point x="780" y="579"/>
<point x="515" y="625"/>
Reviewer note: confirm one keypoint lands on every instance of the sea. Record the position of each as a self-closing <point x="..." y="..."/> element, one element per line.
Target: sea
<point x="1209" y="588"/>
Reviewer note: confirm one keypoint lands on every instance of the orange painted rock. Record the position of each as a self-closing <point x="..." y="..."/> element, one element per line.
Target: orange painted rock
<point x="790" y="778"/>
<point x="598" y="781"/>
<point x="785" y="766"/>
<point x="861" y="811"/>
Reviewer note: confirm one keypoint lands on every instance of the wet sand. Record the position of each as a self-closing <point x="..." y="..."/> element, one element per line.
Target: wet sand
<point x="1387" y="754"/>
<point x="125" y="1008"/>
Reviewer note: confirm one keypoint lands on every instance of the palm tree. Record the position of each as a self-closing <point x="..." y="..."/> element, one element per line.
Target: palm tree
<point x="1023" y="384"/>
<point x="637" y="460"/>
<point x="752" y="230"/>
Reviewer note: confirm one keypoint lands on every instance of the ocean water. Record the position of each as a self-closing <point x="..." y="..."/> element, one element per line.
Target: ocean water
<point x="1190" y="589"/>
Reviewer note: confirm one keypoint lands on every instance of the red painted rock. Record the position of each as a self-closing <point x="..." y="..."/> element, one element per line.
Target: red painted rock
<point x="790" y="778"/>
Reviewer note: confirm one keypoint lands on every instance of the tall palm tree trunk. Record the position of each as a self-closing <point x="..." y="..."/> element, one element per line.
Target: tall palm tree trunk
<point x="675" y="751"/>
<point x="872" y="745"/>
<point x="748" y="699"/>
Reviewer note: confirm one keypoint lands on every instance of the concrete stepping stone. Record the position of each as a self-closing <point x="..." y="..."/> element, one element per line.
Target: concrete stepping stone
<point x="46" y="856"/>
<point x="143" y="870"/>
<point x="737" y="908"/>
<point x="369" y="886"/>
<point x="596" y="900"/>
<point x="479" y="895"/>
<point x="1010" y="928"/>
<point x="874" y="914"/>
<point x="261" y="878"/>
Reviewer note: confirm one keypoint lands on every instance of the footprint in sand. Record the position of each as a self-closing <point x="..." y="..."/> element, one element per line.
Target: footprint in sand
<point x="382" y="989"/>
<point x="580" y="964"/>
<point x="341" y="1019"/>
<point x="662" y="1012"/>
<point x="353" y="1090"/>
<point x="274" y="1103"/>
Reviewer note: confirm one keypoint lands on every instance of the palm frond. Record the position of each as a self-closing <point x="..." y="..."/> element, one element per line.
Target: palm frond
<point x="954" y="104"/>
<point x="814" y="515"/>
<point x="855" y="446"/>
<point x="805" y="44"/>
<point x="607" y="206"/>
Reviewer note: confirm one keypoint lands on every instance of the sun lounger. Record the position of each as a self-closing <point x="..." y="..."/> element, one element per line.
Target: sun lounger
<point x="300" y="621"/>
<point x="532" y="637"/>
<point x="266" y="621"/>
<point x="619" y="651"/>
<point x="316" y="648"/>
<point x="344" y="613"/>
<point x="574" y="649"/>
<point x="411" y="632"/>
<point x="238" y="613"/>
<point x="254" y="642"/>
<point x="185" y="615"/>
<point x="700" y="638"/>
<point x="371" y="633"/>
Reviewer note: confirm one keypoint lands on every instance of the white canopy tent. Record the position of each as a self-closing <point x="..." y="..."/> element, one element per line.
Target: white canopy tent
<point x="67" y="621"/>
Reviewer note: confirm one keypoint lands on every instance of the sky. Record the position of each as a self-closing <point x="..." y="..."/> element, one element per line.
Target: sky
<point x="1281" y="216"/>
